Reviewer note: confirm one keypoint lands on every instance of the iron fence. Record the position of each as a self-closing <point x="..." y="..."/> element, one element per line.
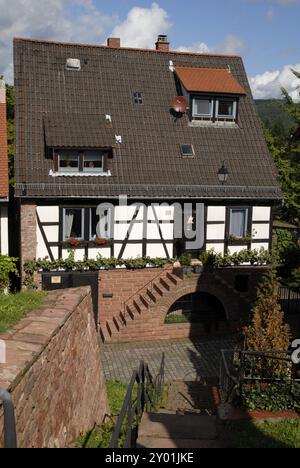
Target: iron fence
<point x="143" y="394"/>
<point x="241" y="368"/>
<point x="10" y="437"/>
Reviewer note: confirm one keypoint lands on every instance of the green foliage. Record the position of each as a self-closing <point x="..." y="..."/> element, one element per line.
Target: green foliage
<point x="7" y="267"/>
<point x="13" y="307"/>
<point x="267" y="434"/>
<point x="185" y="259"/>
<point x="273" y="397"/>
<point x="268" y="330"/>
<point x="177" y="318"/>
<point x="254" y="257"/>
<point x="286" y="154"/>
<point x="271" y="113"/>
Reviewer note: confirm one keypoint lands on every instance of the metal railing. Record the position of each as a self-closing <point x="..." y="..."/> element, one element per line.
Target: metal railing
<point x="289" y="301"/>
<point x="239" y="368"/>
<point x="10" y="435"/>
<point x="143" y="394"/>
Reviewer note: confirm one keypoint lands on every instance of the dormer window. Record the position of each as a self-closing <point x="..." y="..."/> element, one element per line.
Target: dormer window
<point x="93" y="161"/>
<point x="203" y="108"/>
<point x="81" y="163"/>
<point x="226" y="109"/>
<point x="214" y="109"/>
<point x="68" y="161"/>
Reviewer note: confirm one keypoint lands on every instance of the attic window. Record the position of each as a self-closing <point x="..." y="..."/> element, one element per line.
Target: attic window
<point x="138" y="98"/>
<point x="187" y="151"/>
<point x="78" y="162"/>
<point x="73" y="64"/>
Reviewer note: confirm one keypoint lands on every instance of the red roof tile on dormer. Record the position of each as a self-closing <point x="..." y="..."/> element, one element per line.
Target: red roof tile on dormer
<point x="209" y="80"/>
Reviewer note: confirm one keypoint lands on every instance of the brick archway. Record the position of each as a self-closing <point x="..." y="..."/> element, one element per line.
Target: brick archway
<point x="194" y="285"/>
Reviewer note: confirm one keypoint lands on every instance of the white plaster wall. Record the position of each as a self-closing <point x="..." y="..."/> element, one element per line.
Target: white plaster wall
<point x="48" y="214"/>
<point x="260" y="231"/>
<point x="218" y="248"/>
<point x="215" y="231"/>
<point x="261" y="213"/>
<point x="103" y="251"/>
<point x="133" y="251"/>
<point x="216" y="213"/>
<point x="4" y="231"/>
<point x="41" y="249"/>
<point x="157" y="250"/>
<point x="52" y="233"/>
<point x="236" y="248"/>
<point x="258" y="246"/>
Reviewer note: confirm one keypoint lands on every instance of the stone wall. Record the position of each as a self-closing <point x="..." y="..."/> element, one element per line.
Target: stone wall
<point x="149" y="323"/>
<point x="28" y="231"/>
<point x="54" y="371"/>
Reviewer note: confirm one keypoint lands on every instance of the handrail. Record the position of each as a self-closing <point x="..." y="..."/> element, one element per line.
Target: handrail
<point x="148" y="393"/>
<point x="141" y="289"/>
<point x="10" y="435"/>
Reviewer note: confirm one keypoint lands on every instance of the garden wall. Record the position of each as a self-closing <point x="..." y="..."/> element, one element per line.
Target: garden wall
<point x="54" y="371"/>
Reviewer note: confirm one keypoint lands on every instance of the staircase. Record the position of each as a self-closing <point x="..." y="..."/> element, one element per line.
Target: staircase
<point x="140" y="305"/>
<point x="187" y="421"/>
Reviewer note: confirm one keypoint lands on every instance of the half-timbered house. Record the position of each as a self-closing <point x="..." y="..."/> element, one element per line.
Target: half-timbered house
<point x="94" y="123"/>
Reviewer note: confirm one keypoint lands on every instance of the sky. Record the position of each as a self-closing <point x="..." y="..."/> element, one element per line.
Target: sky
<point x="265" y="32"/>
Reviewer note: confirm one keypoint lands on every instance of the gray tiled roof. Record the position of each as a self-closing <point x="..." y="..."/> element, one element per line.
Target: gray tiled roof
<point x="78" y="131"/>
<point x="148" y="163"/>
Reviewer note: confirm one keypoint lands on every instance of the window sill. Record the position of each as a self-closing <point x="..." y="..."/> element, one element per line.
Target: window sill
<point x="79" y="174"/>
<point x="210" y="123"/>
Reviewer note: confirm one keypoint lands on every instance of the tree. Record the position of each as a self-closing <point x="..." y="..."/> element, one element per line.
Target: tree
<point x="10" y="102"/>
<point x="268" y="330"/>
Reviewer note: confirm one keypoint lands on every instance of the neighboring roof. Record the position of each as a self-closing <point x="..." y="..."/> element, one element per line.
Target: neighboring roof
<point x="284" y="225"/>
<point x="208" y="80"/>
<point x="78" y="131"/>
<point x="148" y="163"/>
<point x="3" y="144"/>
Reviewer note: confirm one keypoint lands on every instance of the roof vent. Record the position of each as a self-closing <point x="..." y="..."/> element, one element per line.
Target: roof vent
<point x="162" y="43"/>
<point x="119" y="139"/>
<point x="108" y="118"/>
<point x="171" y="66"/>
<point x="73" y="64"/>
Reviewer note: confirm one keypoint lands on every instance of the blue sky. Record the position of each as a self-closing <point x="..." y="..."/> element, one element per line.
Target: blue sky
<point x="264" y="32"/>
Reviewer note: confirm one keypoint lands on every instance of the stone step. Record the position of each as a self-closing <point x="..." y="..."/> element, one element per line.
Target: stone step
<point x="152" y="442"/>
<point x="178" y="427"/>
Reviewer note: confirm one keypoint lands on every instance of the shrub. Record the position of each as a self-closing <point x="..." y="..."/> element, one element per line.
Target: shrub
<point x="273" y="397"/>
<point x="8" y="266"/>
<point x="185" y="259"/>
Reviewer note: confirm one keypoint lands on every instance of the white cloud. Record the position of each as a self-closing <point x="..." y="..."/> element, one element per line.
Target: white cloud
<point x="48" y="19"/>
<point x="231" y="45"/>
<point x="268" y="85"/>
<point x="142" y="26"/>
<point x="270" y="14"/>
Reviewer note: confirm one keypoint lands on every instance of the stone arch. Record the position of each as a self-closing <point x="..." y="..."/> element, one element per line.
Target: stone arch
<point x="189" y="287"/>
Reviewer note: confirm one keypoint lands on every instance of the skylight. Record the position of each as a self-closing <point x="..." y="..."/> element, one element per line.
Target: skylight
<point x="187" y="150"/>
<point x="138" y="98"/>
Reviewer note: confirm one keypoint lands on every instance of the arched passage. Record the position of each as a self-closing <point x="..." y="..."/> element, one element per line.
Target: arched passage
<point x="198" y="308"/>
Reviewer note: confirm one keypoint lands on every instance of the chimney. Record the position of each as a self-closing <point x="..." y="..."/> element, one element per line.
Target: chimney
<point x="3" y="143"/>
<point x="162" y="44"/>
<point x="114" y="42"/>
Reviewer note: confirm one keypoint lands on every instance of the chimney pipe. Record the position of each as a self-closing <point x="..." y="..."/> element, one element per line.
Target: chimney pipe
<point x="162" y="44"/>
<point x="114" y="42"/>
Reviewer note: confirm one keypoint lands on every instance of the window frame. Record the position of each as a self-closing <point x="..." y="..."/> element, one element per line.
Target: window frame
<point x="190" y="155"/>
<point x="231" y="117"/>
<point x="109" y="222"/>
<point x="95" y="169"/>
<point x="64" y="210"/>
<point x="246" y="223"/>
<point x="202" y="116"/>
<point x="138" y="97"/>
<point x="64" y="169"/>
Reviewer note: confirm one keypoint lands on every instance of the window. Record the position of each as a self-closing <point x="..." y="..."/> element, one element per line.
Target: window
<point x="214" y="108"/>
<point x="226" y="109"/>
<point x="138" y="98"/>
<point x="73" y="223"/>
<point x="187" y="150"/>
<point x="68" y="161"/>
<point x="238" y="222"/>
<point x="93" y="162"/>
<point x="100" y="224"/>
<point x="202" y="108"/>
<point x="78" y="162"/>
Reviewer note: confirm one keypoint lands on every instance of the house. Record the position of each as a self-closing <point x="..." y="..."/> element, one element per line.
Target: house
<point x="4" y="192"/>
<point x="160" y="128"/>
